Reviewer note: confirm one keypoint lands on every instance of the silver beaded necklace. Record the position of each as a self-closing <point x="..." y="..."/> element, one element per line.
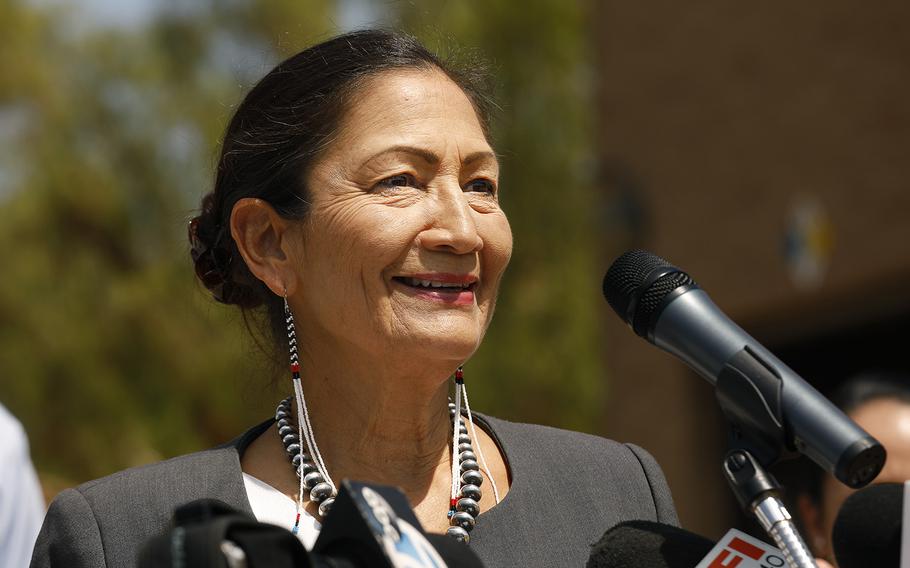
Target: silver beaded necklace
<point x="314" y="479"/>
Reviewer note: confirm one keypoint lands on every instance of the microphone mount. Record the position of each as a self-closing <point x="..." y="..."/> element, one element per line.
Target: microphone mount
<point x="759" y="494"/>
<point x="749" y="394"/>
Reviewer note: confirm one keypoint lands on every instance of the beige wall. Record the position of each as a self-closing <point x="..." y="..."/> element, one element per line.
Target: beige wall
<point x="729" y="113"/>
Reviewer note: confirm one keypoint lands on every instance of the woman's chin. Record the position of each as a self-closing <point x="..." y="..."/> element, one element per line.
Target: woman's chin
<point x="456" y="344"/>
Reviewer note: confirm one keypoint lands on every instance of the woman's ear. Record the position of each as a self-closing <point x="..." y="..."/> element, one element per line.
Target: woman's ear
<point x="261" y="235"/>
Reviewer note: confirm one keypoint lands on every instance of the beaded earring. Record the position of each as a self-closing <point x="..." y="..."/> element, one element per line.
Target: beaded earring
<point x="310" y="468"/>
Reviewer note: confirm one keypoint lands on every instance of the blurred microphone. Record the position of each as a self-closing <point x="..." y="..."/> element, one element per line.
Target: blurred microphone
<point x="208" y="533"/>
<point x="646" y="544"/>
<point x="758" y="393"/>
<point x="640" y="544"/>
<point x="368" y="526"/>
<point x="867" y="530"/>
<point x="374" y="525"/>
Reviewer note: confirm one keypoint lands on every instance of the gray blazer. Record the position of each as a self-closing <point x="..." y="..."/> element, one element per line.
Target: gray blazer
<point x="567" y="489"/>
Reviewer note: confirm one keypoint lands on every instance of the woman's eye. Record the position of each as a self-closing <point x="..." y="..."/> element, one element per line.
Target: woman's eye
<point x="481" y="185"/>
<point x="400" y="180"/>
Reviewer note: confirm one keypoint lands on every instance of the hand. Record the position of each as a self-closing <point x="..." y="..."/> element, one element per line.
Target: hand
<point x="823" y="563"/>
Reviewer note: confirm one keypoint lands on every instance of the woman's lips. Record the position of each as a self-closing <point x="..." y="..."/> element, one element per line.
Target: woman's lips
<point x="453" y="289"/>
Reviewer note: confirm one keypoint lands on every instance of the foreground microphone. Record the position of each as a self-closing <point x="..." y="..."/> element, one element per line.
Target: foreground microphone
<point x="369" y="526"/>
<point x="867" y="530"/>
<point x="647" y="544"/>
<point x="761" y="396"/>
<point x="208" y="533"/>
<point x="374" y="525"/>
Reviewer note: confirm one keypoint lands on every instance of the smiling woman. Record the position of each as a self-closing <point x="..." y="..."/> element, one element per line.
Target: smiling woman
<point x="356" y="204"/>
<point x="403" y="208"/>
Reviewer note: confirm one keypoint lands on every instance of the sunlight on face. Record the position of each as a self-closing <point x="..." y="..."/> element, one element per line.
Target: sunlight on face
<point x="405" y="243"/>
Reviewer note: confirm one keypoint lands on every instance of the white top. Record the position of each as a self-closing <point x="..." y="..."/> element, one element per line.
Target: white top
<point x="274" y="507"/>
<point x="21" y="500"/>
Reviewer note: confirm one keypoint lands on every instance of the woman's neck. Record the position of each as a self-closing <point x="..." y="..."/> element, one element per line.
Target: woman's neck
<point x="380" y="423"/>
<point x="383" y="421"/>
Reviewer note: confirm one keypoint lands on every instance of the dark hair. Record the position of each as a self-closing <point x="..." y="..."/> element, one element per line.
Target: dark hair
<point x="283" y="123"/>
<point x="870" y="386"/>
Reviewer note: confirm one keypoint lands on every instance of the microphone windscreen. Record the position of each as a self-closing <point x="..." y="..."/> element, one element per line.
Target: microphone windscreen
<point x="635" y="544"/>
<point x="637" y="285"/>
<point x="867" y="530"/>
<point x="626" y="275"/>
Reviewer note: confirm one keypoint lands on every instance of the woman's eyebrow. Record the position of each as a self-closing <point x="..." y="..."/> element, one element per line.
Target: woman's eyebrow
<point x="431" y="157"/>
<point x="426" y="155"/>
<point x="481" y="155"/>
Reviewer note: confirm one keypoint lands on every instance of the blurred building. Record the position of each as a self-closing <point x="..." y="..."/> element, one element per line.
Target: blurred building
<point x="764" y="148"/>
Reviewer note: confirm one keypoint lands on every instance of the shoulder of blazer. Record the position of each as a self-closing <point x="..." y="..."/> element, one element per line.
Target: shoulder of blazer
<point x="135" y="504"/>
<point x="211" y="473"/>
<point x="609" y="466"/>
<point x="105" y="522"/>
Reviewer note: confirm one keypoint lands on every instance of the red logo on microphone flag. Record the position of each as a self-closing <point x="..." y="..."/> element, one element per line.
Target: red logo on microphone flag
<point x="741" y="546"/>
<point x="739" y="550"/>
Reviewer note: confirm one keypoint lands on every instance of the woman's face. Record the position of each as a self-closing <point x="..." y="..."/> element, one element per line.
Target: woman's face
<point x="405" y="242"/>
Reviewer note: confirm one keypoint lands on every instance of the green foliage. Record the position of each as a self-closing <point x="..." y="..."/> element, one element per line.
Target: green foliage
<point x="110" y="353"/>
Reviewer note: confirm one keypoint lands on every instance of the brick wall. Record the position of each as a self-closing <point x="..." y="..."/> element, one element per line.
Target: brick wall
<point x="741" y="124"/>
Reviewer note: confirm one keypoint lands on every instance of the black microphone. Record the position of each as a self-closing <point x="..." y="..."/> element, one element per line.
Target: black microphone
<point x="208" y="533"/>
<point x="368" y="525"/>
<point x="867" y="530"/>
<point x="374" y="525"/>
<point x="770" y="406"/>
<point x="647" y="544"/>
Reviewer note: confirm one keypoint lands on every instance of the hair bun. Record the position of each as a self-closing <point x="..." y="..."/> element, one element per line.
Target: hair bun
<point x="213" y="260"/>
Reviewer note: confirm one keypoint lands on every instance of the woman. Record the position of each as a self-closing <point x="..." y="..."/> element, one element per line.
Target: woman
<point x="356" y="204"/>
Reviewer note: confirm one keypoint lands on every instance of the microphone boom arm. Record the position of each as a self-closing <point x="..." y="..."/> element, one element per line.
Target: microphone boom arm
<point x="758" y="493"/>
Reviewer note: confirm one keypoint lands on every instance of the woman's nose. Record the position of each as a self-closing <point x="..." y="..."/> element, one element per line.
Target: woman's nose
<point x="453" y="228"/>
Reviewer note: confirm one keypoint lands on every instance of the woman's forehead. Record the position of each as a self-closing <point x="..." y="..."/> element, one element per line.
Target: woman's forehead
<point x="417" y="107"/>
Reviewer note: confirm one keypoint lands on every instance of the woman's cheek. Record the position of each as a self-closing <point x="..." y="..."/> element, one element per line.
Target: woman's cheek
<point x="498" y="243"/>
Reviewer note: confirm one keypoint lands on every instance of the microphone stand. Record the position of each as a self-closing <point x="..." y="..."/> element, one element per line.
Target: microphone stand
<point x="749" y="394"/>
<point x="757" y="491"/>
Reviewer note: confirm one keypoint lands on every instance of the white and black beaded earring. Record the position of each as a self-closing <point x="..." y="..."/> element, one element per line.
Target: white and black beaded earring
<point x="308" y="465"/>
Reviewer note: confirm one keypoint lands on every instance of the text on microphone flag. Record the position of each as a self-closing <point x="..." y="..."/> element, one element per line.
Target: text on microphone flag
<point x="739" y="550"/>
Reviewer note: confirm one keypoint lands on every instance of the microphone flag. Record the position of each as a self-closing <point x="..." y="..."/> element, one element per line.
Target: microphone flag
<point x="739" y="550"/>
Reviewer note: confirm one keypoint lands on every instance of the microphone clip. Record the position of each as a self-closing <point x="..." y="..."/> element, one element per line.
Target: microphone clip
<point x="749" y="393"/>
